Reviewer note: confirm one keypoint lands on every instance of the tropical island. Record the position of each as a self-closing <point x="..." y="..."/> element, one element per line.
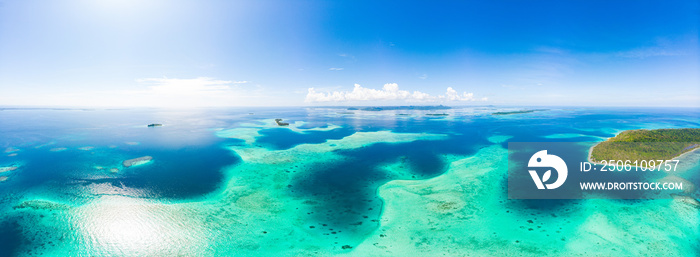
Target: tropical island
<point x="643" y="145"/>
<point x="518" y="112"/>
<point x="137" y="161"/>
<point x="280" y="123"/>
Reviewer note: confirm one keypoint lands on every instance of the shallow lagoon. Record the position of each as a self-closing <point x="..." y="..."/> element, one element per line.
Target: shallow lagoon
<point x="367" y="183"/>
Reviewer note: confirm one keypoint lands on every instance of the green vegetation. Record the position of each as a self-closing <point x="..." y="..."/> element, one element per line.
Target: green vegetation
<point x="518" y="112"/>
<point x="280" y="123"/>
<point x="638" y="145"/>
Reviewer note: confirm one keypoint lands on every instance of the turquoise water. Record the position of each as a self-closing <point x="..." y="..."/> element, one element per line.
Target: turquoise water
<point x="230" y="181"/>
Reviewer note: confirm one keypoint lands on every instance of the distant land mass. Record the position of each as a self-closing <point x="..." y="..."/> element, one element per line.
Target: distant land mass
<point x="518" y="112"/>
<point x="389" y="108"/>
<point x="638" y="145"/>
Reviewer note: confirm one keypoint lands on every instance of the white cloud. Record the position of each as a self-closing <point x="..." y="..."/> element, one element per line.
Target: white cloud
<point x="647" y="52"/>
<point x="551" y="50"/>
<point x="390" y="92"/>
<point x="196" y="86"/>
<point x="424" y="76"/>
<point x="453" y="95"/>
<point x="335" y="69"/>
<point x="663" y="48"/>
<point x="347" y="56"/>
<point x="194" y="92"/>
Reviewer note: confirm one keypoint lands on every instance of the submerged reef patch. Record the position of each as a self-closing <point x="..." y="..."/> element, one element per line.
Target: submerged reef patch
<point x="137" y="161"/>
<point x="687" y="200"/>
<point x="6" y="169"/>
<point x="250" y="131"/>
<point x="42" y="205"/>
<point x="466" y="212"/>
<point x="11" y="150"/>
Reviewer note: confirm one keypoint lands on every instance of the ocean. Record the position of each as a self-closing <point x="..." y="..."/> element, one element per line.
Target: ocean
<point x="226" y="182"/>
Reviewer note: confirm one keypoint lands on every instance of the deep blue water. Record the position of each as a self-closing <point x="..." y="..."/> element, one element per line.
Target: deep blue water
<point x="282" y="138"/>
<point x="187" y="156"/>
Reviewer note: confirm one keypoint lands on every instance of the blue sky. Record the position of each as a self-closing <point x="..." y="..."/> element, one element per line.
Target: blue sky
<point x="252" y="53"/>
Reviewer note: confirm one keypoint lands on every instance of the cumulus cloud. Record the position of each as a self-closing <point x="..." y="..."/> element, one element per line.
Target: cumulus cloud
<point x="453" y="95"/>
<point x="390" y="92"/>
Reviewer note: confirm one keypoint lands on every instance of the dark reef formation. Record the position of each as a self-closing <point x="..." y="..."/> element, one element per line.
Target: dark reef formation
<point x="41" y="205"/>
<point x="280" y="123"/>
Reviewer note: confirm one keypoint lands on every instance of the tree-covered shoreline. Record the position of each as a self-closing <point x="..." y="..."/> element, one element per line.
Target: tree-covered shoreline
<point x="638" y="145"/>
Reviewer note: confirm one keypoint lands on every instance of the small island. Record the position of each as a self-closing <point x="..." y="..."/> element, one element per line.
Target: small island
<point x="639" y="145"/>
<point x="280" y="123"/>
<point x="518" y="112"/>
<point x="437" y="114"/>
<point x="136" y="161"/>
<point x="155" y="125"/>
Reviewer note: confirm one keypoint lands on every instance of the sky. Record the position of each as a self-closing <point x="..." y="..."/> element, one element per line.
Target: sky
<point x="114" y="53"/>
